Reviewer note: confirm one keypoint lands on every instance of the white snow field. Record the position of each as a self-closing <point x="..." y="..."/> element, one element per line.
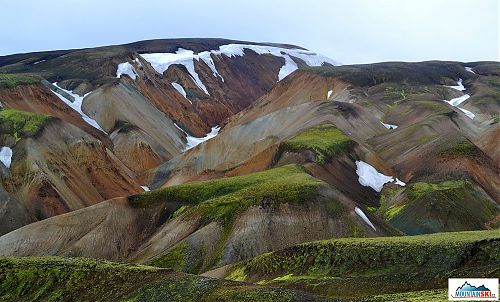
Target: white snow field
<point x="146" y="189"/>
<point x="389" y="126"/>
<point x="329" y="94"/>
<point x="459" y="86"/>
<point x="370" y="177"/>
<point x="195" y="141"/>
<point x="77" y="106"/>
<point x="6" y="156"/>
<point x="468" y="113"/>
<point x="181" y="90"/>
<point x="126" y="68"/>
<point x="457" y="101"/>
<point x="162" y="61"/>
<point x="469" y="69"/>
<point x="364" y="217"/>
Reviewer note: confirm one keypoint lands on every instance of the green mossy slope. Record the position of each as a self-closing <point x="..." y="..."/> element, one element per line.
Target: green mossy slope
<point x="222" y="200"/>
<point x="79" y="279"/>
<point x="441" y="207"/>
<point x="360" y="267"/>
<point x="15" y="124"/>
<point x="8" y="80"/>
<point x="435" y="295"/>
<point x="324" y="140"/>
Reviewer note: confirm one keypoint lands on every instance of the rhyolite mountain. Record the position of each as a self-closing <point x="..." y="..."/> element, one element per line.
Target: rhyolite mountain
<point x="105" y="116"/>
<point x="247" y="148"/>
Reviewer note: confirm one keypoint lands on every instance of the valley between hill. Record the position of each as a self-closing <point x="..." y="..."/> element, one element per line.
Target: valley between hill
<point x="220" y="170"/>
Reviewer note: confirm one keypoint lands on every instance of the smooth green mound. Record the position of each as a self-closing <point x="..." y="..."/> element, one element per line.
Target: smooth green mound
<point x="358" y="267"/>
<point x="462" y="149"/>
<point x="20" y="124"/>
<point x="455" y="205"/>
<point x="324" y="140"/>
<point x="79" y="279"/>
<point x="223" y="199"/>
<point x="8" y="80"/>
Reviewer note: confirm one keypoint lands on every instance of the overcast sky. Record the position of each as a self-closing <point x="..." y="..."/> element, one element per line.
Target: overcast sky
<point x="349" y="31"/>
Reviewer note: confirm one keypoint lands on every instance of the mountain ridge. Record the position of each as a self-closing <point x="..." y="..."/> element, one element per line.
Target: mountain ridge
<point x="204" y="157"/>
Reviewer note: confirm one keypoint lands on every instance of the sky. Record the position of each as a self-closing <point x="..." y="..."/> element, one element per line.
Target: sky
<point x="349" y="31"/>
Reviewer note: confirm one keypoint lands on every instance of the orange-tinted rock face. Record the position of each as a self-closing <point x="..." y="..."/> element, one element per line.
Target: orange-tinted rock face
<point x="137" y="150"/>
<point x="68" y="169"/>
<point x="39" y="99"/>
<point x="71" y="166"/>
<point x="44" y="200"/>
<point x="64" y="169"/>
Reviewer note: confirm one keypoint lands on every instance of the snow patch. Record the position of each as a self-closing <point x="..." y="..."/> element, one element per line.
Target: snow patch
<point x="126" y="68"/>
<point x="370" y="177"/>
<point x="77" y="106"/>
<point x="364" y="217"/>
<point x="309" y="57"/>
<point x="210" y="62"/>
<point x="146" y="189"/>
<point x="400" y="183"/>
<point x="469" y="69"/>
<point x="289" y="67"/>
<point x="162" y="61"/>
<point x="389" y="126"/>
<point x="6" y="156"/>
<point x="468" y="113"/>
<point x="195" y="141"/>
<point x="38" y="62"/>
<point x="329" y="94"/>
<point x="181" y="90"/>
<point x="459" y="86"/>
<point x="457" y="101"/>
<point x="138" y="62"/>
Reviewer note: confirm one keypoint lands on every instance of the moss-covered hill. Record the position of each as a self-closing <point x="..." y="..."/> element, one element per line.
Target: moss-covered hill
<point x="225" y="201"/>
<point x="377" y="266"/>
<point x="15" y="124"/>
<point x="8" y="80"/>
<point x="80" y="279"/>
<point x="324" y="141"/>
<point x="453" y="205"/>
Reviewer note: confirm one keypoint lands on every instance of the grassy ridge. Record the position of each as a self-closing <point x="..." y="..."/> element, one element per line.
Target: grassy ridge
<point x="359" y="267"/>
<point x="324" y="140"/>
<point x="222" y="200"/>
<point x="79" y="279"/>
<point x="17" y="124"/>
<point x="441" y="207"/>
<point x="12" y="80"/>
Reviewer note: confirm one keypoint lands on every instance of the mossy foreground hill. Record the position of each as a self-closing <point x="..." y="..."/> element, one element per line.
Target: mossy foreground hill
<point x="80" y="279"/>
<point x="383" y="269"/>
<point x="363" y="267"/>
